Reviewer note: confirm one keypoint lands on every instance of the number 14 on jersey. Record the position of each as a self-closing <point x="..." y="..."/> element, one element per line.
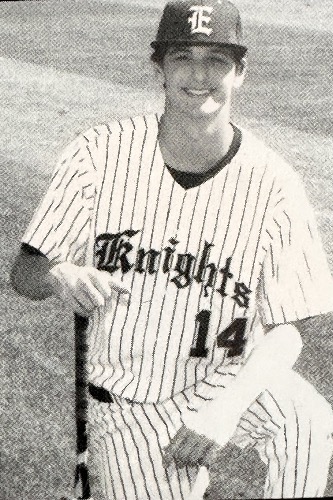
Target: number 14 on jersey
<point x="232" y="338"/>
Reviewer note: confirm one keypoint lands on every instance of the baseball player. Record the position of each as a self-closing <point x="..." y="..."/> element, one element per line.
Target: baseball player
<point x="193" y="249"/>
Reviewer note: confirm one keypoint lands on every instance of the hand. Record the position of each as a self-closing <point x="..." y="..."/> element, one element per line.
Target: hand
<point x="216" y="420"/>
<point x="189" y="448"/>
<point x="83" y="288"/>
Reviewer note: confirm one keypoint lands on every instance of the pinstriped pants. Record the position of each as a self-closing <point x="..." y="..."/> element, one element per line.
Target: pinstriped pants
<point x="290" y="427"/>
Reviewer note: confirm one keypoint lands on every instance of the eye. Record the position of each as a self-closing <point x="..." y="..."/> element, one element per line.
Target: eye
<point x="180" y="56"/>
<point x="216" y="59"/>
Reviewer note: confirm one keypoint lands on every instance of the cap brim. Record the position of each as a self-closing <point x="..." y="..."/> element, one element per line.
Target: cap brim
<point x="241" y="49"/>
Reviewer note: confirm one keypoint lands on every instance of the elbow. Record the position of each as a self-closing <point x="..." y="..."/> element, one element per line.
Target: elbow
<point x="27" y="279"/>
<point x="293" y="345"/>
<point x="16" y="280"/>
<point x="286" y="342"/>
<point x="296" y="344"/>
<point x="20" y="285"/>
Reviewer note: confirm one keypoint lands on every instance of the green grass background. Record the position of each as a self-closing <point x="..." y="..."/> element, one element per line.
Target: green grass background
<point x="66" y="65"/>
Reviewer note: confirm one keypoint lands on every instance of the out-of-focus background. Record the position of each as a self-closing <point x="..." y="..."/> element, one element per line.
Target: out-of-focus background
<point x="68" y="64"/>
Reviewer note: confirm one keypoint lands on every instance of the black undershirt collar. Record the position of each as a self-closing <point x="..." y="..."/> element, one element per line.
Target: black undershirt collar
<point x="192" y="179"/>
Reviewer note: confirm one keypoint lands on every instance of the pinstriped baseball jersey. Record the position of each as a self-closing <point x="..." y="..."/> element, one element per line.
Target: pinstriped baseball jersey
<point x="206" y="266"/>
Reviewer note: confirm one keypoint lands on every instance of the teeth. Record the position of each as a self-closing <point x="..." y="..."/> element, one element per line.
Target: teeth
<point x="197" y="92"/>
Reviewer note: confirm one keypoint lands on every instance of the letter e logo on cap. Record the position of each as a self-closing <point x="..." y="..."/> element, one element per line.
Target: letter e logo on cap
<point x="199" y="20"/>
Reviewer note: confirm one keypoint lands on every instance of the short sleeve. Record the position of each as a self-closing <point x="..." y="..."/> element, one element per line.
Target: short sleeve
<point x="60" y="226"/>
<point x="295" y="282"/>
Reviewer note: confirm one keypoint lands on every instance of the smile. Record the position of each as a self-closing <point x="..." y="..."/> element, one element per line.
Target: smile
<point x="197" y="93"/>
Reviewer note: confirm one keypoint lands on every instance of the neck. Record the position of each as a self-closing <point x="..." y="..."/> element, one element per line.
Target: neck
<point x="209" y="124"/>
<point x="194" y="142"/>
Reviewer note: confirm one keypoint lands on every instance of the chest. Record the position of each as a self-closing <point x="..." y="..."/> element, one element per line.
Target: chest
<point x="146" y="223"/>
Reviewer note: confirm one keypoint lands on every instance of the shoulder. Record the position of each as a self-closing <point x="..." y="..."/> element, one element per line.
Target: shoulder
<point x="256" y="151"/>
<point x="279" y="183"/>
<point x="120" y="126"/>
<point x="90" y="147"/>
<point x="257" y="154"/>
<point x="99" y="146"/>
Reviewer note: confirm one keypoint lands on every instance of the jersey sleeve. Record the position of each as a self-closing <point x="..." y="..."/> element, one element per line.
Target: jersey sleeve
<point x="295" y="282"/>
<point x="60" y="226"/>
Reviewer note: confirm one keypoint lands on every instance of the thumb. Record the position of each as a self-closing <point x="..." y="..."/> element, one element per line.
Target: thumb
<point x="116" y="285"/>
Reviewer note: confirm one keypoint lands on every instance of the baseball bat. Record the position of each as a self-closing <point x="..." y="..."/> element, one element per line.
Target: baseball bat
<point x="81" y="483"/>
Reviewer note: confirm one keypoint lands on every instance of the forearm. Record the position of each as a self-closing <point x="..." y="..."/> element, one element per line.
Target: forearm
<point x="269" y="361"/>
<point x="81" y="288"/>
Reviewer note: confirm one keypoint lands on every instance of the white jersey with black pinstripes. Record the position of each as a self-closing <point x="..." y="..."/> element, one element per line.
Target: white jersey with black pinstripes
<point x="206" y="266"/>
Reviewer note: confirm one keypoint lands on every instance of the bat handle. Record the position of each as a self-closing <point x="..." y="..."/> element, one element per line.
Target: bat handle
<point x="82" y="476"/>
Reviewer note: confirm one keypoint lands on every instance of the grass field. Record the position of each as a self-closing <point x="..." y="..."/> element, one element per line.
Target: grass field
<point x="66" y="65"/>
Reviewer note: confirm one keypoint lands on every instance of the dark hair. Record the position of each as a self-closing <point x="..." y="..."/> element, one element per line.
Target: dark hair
<point x="159" y="52"/>
<point x="161" y="49"/>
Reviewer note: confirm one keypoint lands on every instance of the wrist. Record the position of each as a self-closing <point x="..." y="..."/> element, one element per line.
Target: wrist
<point x="226" y="403"/>
<point x="231" y="400"/>
<point x="53" y="279"/>
<point x="51" y="283"/>
<point x="216" y="420"/>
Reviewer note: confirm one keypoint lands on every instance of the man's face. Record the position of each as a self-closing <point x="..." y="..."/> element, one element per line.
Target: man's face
<point x="199" y="79"/>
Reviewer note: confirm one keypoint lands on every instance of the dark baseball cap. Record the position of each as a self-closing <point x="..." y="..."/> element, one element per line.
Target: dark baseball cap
<point x="207" y="22"/>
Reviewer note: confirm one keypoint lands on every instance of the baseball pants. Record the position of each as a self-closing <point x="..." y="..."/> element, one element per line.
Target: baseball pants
<point x="290" y="427"/>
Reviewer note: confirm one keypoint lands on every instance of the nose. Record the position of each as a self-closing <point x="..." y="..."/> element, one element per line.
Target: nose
<point x="199" y="71"/>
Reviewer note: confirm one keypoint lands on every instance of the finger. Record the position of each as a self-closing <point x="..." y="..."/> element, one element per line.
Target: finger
<point x="79" y="307"/>
<point x="182" y="453"/>
<point x="104" y="281"/>
<point x="201" y="484"/>
<point x="176" y="442"/>
<point x="167" y="459"/>
<point x="197" y="449"/>
<point x="101" y="281"/>
<point x="171" y="452"/>
<point x="119" y="288"/>
<point x="168" y="455"/>
<point x="81" y="312"/>
<point x="115" y="285"/>
<point x="76" y="300"/>
<point x="89" y="295"/>
<point x="212" y="455"/>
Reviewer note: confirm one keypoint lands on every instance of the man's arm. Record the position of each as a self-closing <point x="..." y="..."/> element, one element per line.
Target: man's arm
<point x="83" y="288"/>
<point x="270" y="361"/>
<point x="274" y="356"/>
<point x="30" y="275"/>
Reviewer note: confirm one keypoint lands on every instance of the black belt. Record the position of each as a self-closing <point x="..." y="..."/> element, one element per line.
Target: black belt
<point x="100" y="394"/>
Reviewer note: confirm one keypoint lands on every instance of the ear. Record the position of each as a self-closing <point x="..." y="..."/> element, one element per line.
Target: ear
<point x="240" y="72"/>
<point x="159" y="72"/>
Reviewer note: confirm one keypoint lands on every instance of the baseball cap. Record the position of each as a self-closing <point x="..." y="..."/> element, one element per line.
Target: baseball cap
<point x="208" y="22"/>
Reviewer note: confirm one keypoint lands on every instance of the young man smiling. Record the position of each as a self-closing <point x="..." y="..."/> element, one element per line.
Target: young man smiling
<point x="198" y="80"/>
<point x="213" y="237"/>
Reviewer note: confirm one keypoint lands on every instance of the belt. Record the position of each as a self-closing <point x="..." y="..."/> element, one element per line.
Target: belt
<point x="100" y="394"/>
